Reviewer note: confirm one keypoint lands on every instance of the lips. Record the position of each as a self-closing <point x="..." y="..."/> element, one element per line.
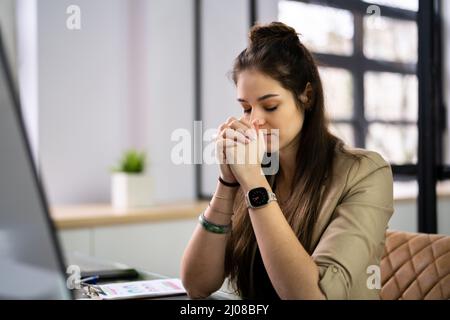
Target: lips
<point x="269" y="133"/>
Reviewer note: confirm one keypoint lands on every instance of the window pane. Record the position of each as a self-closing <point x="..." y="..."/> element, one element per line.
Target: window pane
<point x="397" y="144"/>
<point x="443" y="216"/>
<point x="390" y="39"/>
<point x="391" y="96"/>
<point x="322" y="29"/>
<point x="345" y="132"/>
<point x="338" y="91"/>
<point x="412" y="5"/>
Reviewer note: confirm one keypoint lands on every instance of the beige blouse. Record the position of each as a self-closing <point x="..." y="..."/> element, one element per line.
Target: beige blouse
<point x="350" y="232"/>
<point x="349" y="235"/>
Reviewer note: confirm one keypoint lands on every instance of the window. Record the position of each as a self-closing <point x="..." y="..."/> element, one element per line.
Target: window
<point x="333" y="35"/>
<point x="368" y="67"/>
<point x="384" y="84"/>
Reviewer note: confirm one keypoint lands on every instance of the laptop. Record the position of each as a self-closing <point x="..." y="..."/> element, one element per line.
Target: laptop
<point x="31" y="263"/>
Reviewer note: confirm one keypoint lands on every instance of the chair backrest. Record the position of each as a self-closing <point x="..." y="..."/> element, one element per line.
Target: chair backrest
<point x="415" y="266"/>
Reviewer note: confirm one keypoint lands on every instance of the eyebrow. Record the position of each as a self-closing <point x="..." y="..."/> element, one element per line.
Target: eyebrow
<point x="267" y="96"/>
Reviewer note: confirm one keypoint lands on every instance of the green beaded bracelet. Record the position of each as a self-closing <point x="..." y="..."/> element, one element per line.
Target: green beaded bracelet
<point x="211" y="227"/>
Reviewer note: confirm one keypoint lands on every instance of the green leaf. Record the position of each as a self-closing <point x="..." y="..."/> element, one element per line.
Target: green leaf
<point x="132" y="161"/>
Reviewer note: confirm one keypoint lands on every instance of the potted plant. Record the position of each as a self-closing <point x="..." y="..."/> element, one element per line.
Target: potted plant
<point x="130" y="186"/>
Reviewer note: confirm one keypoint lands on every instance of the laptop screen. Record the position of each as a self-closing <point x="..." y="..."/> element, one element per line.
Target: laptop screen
<point x="30" y="259"/>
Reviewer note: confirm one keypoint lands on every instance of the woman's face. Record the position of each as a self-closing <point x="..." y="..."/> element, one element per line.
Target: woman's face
<point x="264" y="99"/>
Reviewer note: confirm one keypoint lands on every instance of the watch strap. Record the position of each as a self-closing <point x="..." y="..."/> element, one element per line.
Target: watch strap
<point x="272" y="197"/>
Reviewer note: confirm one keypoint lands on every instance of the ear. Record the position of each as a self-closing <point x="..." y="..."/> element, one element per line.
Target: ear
<point x="306" y="95"/>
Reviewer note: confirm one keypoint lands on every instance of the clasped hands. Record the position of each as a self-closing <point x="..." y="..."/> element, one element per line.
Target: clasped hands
<point x="240" y="148"/>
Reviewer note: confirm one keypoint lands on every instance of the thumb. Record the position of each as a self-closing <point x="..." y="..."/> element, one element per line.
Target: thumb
<point x="259" y="133"/>
<point x="255" y="125"/>
<point x="261" y="142"/>
<point x="253" y="131"/>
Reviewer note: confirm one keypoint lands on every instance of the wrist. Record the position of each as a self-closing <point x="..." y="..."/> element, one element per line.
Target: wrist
<point x="227" y="178"/>
<point x="224" y="193"/>
<point x="216" y="217"/>
<point x="255" y="182"/>
<point x="229" y="184"/>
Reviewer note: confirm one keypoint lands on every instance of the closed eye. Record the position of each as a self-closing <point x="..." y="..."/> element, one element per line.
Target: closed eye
<point x="267" y="109"/>
<point x="272" y="109"/>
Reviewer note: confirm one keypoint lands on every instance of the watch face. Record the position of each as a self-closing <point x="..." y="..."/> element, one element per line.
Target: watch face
<point x="258" y="197"/>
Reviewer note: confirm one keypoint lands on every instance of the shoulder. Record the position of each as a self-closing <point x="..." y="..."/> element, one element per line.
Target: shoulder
<point x="354" y="156"/>
<point x="364" y="172"/>
<point x="358" y="163"/>
<point x="361" y="184"/>
<point x="368" y="157"/>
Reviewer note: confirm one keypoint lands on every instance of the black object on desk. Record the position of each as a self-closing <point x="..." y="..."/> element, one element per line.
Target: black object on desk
<point x="110" y="275"/>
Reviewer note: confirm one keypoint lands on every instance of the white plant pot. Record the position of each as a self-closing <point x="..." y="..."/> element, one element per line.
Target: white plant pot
<point x="131" y="190"/>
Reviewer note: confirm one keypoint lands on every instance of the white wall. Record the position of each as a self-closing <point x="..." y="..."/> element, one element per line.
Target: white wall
<point x="170" y="91"/>
<point x="267" y="11"/>
<point x="82" y="97"/>
<point x="27" y="56"/>
<point x="8" y="29"/>
<point x="224" y="36"/>
<point x="124" y="80"/>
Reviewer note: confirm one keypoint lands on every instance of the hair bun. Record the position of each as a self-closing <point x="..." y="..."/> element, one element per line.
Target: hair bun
<point x="275" y="31"/>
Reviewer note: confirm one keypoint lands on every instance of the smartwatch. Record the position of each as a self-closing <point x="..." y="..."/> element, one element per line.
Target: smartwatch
<point x="259" y="197"/>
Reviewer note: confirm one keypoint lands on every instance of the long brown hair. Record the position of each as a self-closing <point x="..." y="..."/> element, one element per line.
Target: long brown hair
<point x="276" y="51"/>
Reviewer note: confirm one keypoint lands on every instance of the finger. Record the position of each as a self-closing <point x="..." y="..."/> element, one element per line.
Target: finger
<point x="234" y="135"/>
<point x="221" y="146"/>
<point x="248" y="133"/>
<point x="261" y="143"/>
<point x="230" y="120"/>
<point x="245" y="121"/>
<point x="226" y="143"/>
<point x="239" y="127"/>
<point x="235" y="124"/>
<point x="229" y="151"/>
<point x="252" y="134"/>
<point x="243" y="128"/>
<point x="222" y="127"/>
<point x="239" y="124"/>
<point x="255" y="124"/>
<point x="226" y="124"/>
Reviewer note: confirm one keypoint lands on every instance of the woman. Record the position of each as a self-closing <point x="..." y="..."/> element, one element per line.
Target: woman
<point x="321" y="235"/>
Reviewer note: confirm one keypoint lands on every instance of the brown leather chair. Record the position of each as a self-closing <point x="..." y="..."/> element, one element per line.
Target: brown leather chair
<point x="415" y="266"/>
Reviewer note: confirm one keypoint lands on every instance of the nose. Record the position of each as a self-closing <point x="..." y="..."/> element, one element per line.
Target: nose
<point x="257" y="119"/>
<point x="258" y="123"/>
